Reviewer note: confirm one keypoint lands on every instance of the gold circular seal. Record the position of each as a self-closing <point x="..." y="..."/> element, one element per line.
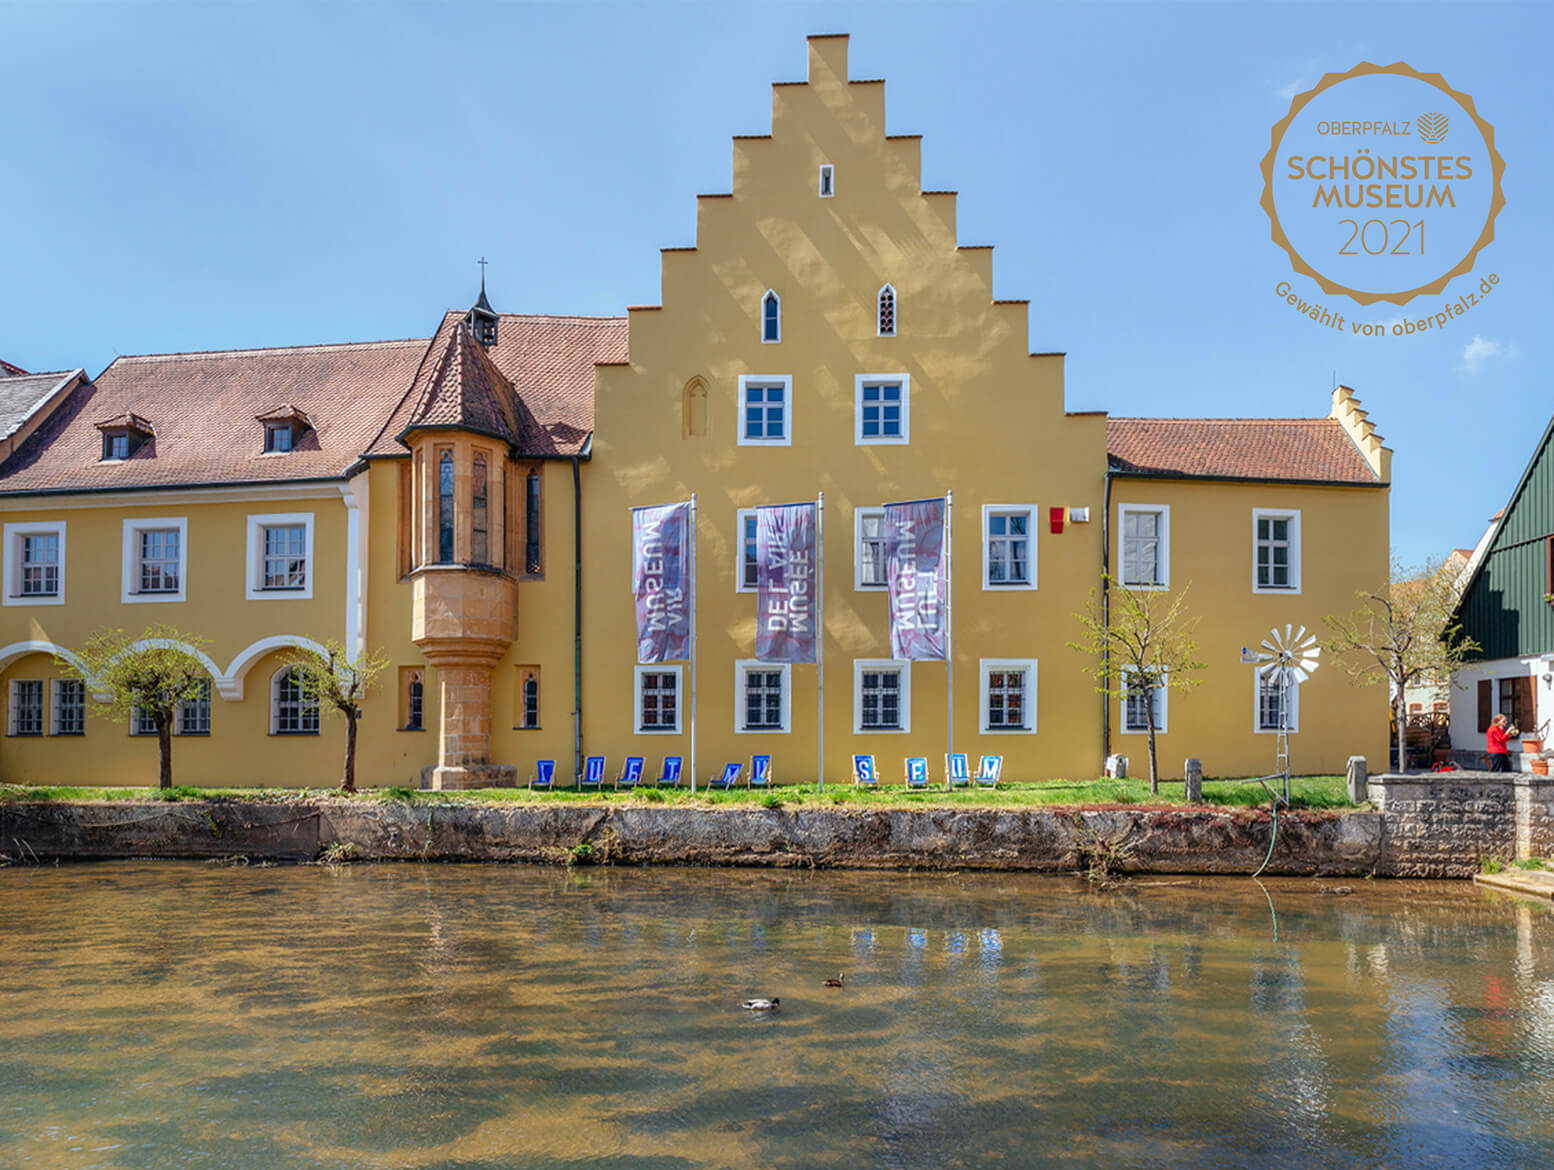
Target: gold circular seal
<point x="1432" y="129"/>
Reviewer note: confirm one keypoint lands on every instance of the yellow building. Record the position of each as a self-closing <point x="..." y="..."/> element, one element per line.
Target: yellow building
<point x="463" y="503"/>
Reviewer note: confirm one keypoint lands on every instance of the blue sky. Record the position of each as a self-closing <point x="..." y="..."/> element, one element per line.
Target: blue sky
<point x="207" y="176"/>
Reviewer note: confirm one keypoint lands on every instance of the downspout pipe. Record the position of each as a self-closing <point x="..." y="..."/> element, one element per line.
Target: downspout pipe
<point x="1106" y="613"/>
<point x="577" y="615"/>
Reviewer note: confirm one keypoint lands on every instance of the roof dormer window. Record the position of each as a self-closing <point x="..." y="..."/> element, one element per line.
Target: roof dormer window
<point x="284" y="428"/>
<point x="123" y="436"/>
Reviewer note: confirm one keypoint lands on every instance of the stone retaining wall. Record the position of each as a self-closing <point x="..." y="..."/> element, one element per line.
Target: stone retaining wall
<point x="1420" y="827"/>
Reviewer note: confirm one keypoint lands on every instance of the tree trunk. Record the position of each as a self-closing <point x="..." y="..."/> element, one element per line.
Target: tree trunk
<point x="1401" y="716"/>
<point x="349" y="783"/>
<point x="164" y="743"/>
<point x="1154" y="774"/>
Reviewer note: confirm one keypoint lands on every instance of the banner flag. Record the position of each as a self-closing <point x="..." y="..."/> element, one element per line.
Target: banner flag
<point x="915" y="576"/>
<point x="662" y="581"/>
<point x="785" y="576"/>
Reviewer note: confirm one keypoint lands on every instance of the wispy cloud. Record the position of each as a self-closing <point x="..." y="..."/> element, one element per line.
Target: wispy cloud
<point x="1287" y="92"/>
<point x="1481" y="350"/>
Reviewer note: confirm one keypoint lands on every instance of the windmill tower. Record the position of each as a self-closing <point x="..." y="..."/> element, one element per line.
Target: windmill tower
<point x="1286" y="657"/>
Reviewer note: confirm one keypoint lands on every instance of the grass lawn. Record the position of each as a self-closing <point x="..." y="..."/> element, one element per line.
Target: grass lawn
<point x="1306" y="792"/>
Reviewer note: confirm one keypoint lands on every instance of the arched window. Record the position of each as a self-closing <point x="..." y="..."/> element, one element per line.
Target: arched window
<point x="771" y="317"/>
<point x="531" y="700"/>
<point x="417" y="703"/>
<point x="531" y="522"/>
<point x="293" y="708"/>
<point x="445" y="508"/>
<point x="479" y="544"/>
<point x="694" y="406"/>
<point x="887" y="312"/>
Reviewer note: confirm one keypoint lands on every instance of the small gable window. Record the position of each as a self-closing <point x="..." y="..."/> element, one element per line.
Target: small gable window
<point x="827" y="180"/>
<point x="771" y="317"/>
<point x="124" y="435"/>
<point x="887" y="312"/>
<point x="283" y="428"/>
<point x="277" y="437"/>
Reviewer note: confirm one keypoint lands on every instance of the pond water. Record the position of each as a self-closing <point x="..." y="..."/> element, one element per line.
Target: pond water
<point x="473" y="1017"/>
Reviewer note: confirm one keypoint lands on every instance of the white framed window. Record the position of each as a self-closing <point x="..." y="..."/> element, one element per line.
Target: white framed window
<point x="69" y="715"/>
<point x="1009" y="546"/>
<point x="1135" y="713"/>
<point x="1144" y="545"/>
<point x="1266" y="692"/>
<point x="869" y="554"/>
<point x="765" y="410"/>
<point x="293" y="711"/>
<point x="35" y="564"/>
<point x="142" y="723"/>
<point x="26" y="707"/>
<point x="1275" y="550"/>
<point x="882" y="695"/>
<point x="745" y="562"/>
<point x="771" y="317"/>
<point x="827" y="187"/>
<point x="1008" y="695"/>
<point x="656" y="700"/>
<point x="886" y="315"/>
<point x="762" y="696"/>
<point x="156" y="559"/>
<point x="279" y="556"/>
<point x="193" y="715"/>
<point x="882" y="409"/>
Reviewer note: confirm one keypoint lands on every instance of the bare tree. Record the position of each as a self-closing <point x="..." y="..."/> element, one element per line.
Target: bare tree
<point x="339" y="682"/>
<point x="1405" y="632"/>
<point x="1144" y="643"/>
<point x="145" y="677"/>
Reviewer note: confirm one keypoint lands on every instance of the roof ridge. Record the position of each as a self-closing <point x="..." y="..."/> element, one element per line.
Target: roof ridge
<point x="40" y="374"/>
<point x="1191" y="419"/>
<point x="197" y="354"/>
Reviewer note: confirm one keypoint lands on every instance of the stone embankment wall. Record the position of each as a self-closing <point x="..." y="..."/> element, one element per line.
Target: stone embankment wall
<point x="1420" y="827"/>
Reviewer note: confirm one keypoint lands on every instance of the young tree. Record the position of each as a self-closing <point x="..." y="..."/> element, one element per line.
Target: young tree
<point x="1142" y="644"/>
<point x="339" y="683"/>
<point x="145" y="676"/>
<point x="1406" y="632"/>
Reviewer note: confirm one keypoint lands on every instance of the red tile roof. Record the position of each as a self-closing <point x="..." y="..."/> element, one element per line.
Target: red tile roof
<point x="458" y="386"/>
<point x="202" y="406"/>
<point x="1313" y="450"/>
<point x="549" y="361"/>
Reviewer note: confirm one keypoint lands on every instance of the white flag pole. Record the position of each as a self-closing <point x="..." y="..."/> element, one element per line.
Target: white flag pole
<point x="949" y="621"/>
<point x="820" y="640"/>
<point x="693" y="643"/>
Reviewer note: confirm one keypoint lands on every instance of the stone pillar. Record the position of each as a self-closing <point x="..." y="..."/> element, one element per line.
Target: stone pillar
<point x="1193" y="770"/>
<point x="1357" y="779"/>
<point x="1534" y="816"/>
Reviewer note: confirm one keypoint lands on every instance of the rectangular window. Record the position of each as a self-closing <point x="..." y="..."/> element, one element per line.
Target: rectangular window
<point x="280" y="556"/>
<point x="26" y="707"/>
<point x="882" y="409"/>
<point x="882" y="690"/>
<point x="480" y="521"/>
<point x="69" y="707"/>
<point x="1135" y="706"/>
<point x="142" y="723"/>
<point x="160" y="561"/>
<point x="528" y="698"/>
<point x="1276" y="551"/>
<point x="1269" y="713"/>
<point x="1009" y="546"/>
<point x="35" y="564"/>
<point x="116" y="445"/>
<point x="1515" y="701"/>
<point x="746" y="569"/>
<point x="761" y="699"/>
<point x="764" y="410"/>
<point x="869" y="564"/>
<point x="277" y="437"/>
<point x="194" y="714"/>
<point x="1008" y="695"/>
<point x="1143" y="545"/>
<point x="156" y="559"/>
<point x="293" y="707"/>
<point x="658" y="699"/>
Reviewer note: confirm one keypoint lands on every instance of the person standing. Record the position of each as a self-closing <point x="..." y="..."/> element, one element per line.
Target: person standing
<point x="1500" y="730"/>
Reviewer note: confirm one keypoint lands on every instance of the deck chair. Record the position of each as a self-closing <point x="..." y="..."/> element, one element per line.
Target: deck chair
<point x="593" y="774"/>
<point x="988" y="769"/>
<point x="631" y="773"/>
<point x="544" y="775"/>
<point x="864" y="775"/>
<point x="760" y="771"/>
<point x="956" y="772"/>
<point x="729" y="777"/>
<point x="917" y="772"/>
<point x="669" y="775"/>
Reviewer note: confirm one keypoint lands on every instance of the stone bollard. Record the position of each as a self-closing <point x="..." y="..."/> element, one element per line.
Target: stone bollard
<point x="1194" y="772"/>
<point x="1357" y="779"/>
